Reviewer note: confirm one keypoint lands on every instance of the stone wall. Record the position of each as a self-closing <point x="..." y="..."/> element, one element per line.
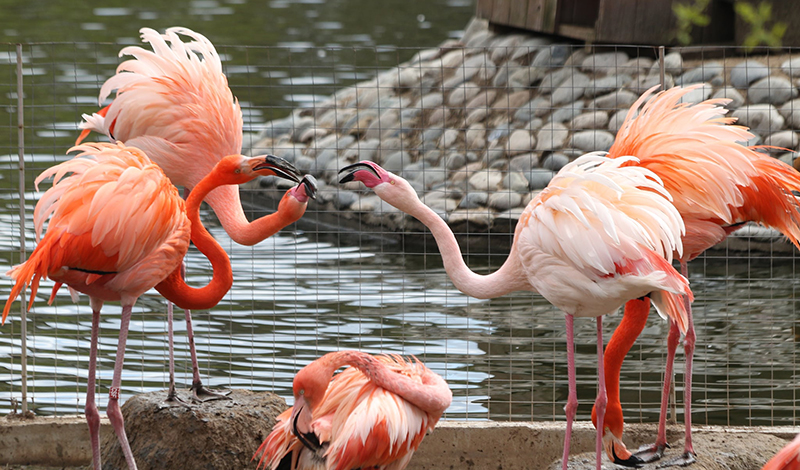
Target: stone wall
<point x="481" y="124"/>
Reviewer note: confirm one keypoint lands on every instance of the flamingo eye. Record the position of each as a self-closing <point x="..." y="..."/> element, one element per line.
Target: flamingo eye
<point x="237" y="171"/>
<point x="302" y="392"/>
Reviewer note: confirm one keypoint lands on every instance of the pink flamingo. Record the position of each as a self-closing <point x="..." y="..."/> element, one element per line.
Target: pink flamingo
<point x="372" y="415"/>
<point x="717" y="185"/>
<point x="174" y="103"/>
<point x="787" y="459"/>
<point x="118" y="227"/>
<point x="600" y="234"/>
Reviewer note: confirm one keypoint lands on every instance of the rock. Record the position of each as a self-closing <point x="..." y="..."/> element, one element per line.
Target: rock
<point x="698" y="94"/>
<point x="746" y="72"/>
<point x="552" y="56"/>
<point x="439" y="116"/>
<point x="502" y="130"/>
<point x="523" y="163"/>
<point x="520" y="141"/>
<point x="515" y="181"/>
<point x="397" y="161"/>
<point x="616" y="100"/>
<point x="736" y="98"/>
<point x="431" y="100"/>
<point x="637" y="65"/>
<point x="536" y="107"/>
<point x="506" y="47"/>
<point x="590" y="120"/>
<point x="474" y="199"/>
<point x="448" y="138"/>
<point x="539" y="178"/>
<point x="386" y="121"/>
<point x="528" y="48"/>
<point x="475" y="116"/>
<point x="553" y="79"/>
<point x="555" y="161"/>
<point x="644" y="83"/>
<point x="475" y="137"/>
<point x="482" y="99"/>
<point x="590" y="141"/>
<point x="512" y="101"/>
<point x="455" y="161"/>
<point x="342" y="198"/>
<point x="783" y="139"/>
<point x="792" y="67"/>
<point x="762" y="118"/>
<point x="551" y="137"/>
<point x="673" y="64"/>
<point x="224" y="433"/>
<point x="504" y="200"/>
<point x="772" y="90"/>
<point x="605" y="62"/>
<point x="570" y="89"/>
<point x="462" y="94"/>
<point x="471" y="218"/>
<point x="703" y="73"/>
<point x="616" y="120"/>
<point x="486" y="180"/>
<point x="431" y="134"/>
<point x="791" y="111"/>
<point x="567" y="112"/>
<point x="606" y="84"/>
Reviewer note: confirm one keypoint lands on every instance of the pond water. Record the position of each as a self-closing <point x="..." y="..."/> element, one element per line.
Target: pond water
<point x="301" y="294"/>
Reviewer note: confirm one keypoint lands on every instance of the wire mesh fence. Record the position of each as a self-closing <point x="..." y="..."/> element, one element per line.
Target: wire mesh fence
<point x="478" y="127"/>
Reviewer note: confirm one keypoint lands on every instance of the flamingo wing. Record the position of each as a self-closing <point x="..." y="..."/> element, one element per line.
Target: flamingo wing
<point x="174" y="103"/>
<point x="114" y="219"/>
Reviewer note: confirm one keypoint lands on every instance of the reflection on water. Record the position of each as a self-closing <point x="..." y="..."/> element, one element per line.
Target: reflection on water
<point x="299" y="295"/>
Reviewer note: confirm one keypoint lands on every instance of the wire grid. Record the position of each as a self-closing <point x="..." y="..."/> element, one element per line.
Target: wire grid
<point x="336" y="281"/>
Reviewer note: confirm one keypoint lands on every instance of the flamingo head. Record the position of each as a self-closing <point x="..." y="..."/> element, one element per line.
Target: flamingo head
<point x="305" y="190"/>
<point x="388" y="186"/>
<point x="613" y="426"/>
<point x="309" y="387"/>
<point x="269" y="165"/>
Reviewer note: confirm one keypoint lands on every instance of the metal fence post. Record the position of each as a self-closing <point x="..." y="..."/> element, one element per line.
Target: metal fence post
<point x="23" y="253"/>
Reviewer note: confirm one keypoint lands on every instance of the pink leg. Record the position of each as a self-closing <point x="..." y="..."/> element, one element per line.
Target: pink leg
<point x="172" y="395"/>
<point x="572" y="399"/>
<point x="113" y="411"/>
<point x="92" y="415"/>
<point x="602" y="399"/>
<point x="688" y="348"/>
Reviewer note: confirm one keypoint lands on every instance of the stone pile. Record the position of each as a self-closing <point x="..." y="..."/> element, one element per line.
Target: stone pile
<point x="479" y="125"/>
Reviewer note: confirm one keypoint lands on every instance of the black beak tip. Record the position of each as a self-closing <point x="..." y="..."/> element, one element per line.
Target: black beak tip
<point x="347" y="178"/>
<point x="281" y="168"/>
<point x="310" y="184"/>
<point x="632" y="461"/>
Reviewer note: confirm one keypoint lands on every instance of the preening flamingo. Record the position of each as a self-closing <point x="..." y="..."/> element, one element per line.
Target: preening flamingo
<point x="372" y="415"/>
<point x="117" y="228"/>
<point x="717" y="185"/>
<point x="602" y="233"/>
<point x="175" y="104"/>
<point x="787" y="459"/>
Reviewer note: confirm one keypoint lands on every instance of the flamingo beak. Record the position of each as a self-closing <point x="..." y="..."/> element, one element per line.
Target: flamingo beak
<point x="278" y="166"/>
<point x="355" y="168"/>
<point x="301" y="424"/>
<point x="618" y="453"/>
<point x="310" y="185"/>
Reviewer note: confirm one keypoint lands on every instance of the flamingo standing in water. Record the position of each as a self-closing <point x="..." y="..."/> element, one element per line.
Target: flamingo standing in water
<point x="601" y="233"/>
<point x="787" y="459"/>
<point x="117" y="228"/>
<point x="717" y="185"/>
<point x="372" y="415"/>
<point x="175" y="104"/>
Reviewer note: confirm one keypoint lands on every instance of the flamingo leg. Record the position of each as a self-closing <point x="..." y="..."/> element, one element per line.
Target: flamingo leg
<point x="602" y="398"/>
<point x="113" y="410"/>
<point x="572" y="399"/>
<point x="199" y="392"/>
<point x="92" y="414"/>
<point x="172" y="396"/>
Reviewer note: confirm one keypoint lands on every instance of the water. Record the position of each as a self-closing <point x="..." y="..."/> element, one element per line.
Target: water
<point x="301" y="294"/>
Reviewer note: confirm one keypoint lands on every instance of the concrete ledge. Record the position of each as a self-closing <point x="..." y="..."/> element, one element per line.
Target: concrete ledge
<point x="64" y="441"/>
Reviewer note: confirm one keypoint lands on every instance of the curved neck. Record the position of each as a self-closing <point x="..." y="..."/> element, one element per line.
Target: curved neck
<point x="432" y="396"/>
<point x="227" y="206"/>
<point x="174" y="287"/>
<point x="631" y="326"/>
<point x="509" y="278"/>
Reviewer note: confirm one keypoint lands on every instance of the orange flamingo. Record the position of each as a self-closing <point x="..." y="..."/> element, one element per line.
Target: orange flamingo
<point x="717" y="185"/>
<point x="117" y="228"/>
<point x="372" y="415"/>
<point x="602" y="233"/>
<point x="175" y="104"/>
<point x="787" y="459"/>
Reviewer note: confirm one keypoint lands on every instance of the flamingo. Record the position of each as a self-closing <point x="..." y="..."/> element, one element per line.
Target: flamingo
<point x="372" y="415"/>
<point x="175" y="104"/>
<point x="117" y="228"/>
<point x="717" y="185"/>
<point x="787" y="459"/>
<point x="602" y="233"/>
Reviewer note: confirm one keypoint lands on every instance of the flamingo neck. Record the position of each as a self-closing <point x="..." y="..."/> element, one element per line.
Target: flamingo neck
<point x="509" y="278"/>
<point x="631" y="326"/>
<point x="432" y="396"/>
<point x="227" y="205"/>
<point x="174" y="287"/>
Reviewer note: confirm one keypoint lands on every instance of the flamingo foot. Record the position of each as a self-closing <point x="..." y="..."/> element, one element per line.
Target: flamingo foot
<point x="651" y="453"/>
<point x="684" y="460"/>
<point x="633" y="461"/>
<point x="200" y="394"/>
<point x="173" y="400"/>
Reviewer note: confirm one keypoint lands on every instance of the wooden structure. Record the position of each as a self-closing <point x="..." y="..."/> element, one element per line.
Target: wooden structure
<point x="629" y="21"/>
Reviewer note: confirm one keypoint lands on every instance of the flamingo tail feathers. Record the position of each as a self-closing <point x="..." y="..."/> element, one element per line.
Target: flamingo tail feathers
<point x="26" y="274"/>
<point x="770" y="198"/>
